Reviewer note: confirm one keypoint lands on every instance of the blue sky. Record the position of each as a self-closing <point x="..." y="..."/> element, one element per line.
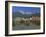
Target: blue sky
<point x="26" y="9"/>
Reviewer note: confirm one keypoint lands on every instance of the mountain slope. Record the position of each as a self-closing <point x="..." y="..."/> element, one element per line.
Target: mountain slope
<point x="22" y="14"/>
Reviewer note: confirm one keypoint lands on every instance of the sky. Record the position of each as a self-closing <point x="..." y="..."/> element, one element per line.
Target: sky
<point x="26" y="9"/>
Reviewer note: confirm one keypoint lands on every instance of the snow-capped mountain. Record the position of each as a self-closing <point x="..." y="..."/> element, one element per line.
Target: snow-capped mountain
<point x="24" y="12"/>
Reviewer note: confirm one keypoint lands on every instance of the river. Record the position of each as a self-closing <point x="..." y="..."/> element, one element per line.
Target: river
<point x="26" y="27"/>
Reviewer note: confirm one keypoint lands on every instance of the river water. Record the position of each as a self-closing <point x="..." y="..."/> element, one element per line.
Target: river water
<point x="26" y="27"/>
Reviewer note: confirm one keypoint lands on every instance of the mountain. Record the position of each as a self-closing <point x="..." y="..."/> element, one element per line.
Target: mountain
<point x="36" y="14"/>
<point x="23" y="14"/>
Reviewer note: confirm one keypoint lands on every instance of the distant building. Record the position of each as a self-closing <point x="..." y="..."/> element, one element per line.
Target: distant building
<point x="36" y="17"/>
<point x="19" y="20"/>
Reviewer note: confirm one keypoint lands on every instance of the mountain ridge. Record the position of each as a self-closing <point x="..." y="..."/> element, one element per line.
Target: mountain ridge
<point x="22" y="14"/>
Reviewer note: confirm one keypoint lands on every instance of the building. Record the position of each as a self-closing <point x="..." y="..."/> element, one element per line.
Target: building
<point x="19" y="20"/>
<point x="36" y="17"/>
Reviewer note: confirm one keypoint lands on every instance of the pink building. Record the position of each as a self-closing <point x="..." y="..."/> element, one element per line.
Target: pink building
<point x="35" y="18"/>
